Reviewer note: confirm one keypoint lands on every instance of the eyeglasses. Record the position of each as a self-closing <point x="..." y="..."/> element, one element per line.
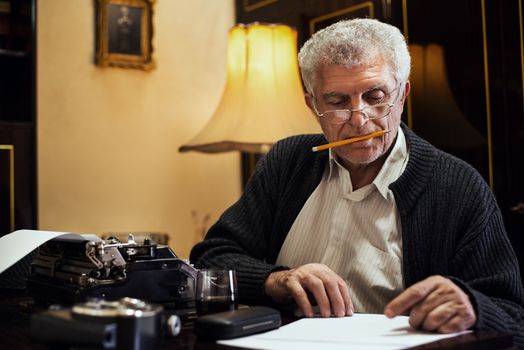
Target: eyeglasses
<point x="371" y="112"/>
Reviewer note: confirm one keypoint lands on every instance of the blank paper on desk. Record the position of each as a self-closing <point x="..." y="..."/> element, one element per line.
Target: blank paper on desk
<point x="360" y="331"/>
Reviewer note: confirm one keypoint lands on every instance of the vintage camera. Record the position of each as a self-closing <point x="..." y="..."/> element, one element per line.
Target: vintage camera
<point x="126" y="323"/>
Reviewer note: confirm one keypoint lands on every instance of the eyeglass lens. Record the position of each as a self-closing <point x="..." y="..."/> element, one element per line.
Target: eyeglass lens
<point x="370" y="112"/>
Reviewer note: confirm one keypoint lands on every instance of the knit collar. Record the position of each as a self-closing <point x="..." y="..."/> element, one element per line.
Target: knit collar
<point x="412" y="183"/>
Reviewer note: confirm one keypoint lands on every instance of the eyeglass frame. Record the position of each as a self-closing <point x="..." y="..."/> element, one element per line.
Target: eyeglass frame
<point x="390" y="105"/>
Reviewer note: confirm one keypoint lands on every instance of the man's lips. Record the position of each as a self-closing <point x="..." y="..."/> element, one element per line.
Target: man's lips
<point x="350" y="140"/>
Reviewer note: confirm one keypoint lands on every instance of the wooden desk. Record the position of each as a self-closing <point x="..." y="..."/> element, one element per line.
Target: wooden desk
<point x="14" y="334"/>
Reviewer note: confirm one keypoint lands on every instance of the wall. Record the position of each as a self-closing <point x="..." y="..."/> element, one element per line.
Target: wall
<point x="108" y="137"/>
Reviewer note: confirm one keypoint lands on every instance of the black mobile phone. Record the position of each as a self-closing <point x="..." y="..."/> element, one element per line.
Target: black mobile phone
<point x="237" y="323"/>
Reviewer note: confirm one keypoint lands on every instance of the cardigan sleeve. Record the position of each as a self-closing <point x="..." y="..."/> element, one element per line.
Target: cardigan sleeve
<point x="248" y="236"/>
<point x="453" y="227"/>
<point x="238" y="240"/>
<point x="490" y="273"/>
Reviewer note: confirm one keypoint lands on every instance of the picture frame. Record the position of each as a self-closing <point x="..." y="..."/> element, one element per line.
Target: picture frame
<point x="124" y="34"/>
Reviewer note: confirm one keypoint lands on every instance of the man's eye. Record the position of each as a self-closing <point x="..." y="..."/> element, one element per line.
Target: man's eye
<point x="337" y="101"/>
<point x="336" y="104"/>
<point x="375" y="97"/>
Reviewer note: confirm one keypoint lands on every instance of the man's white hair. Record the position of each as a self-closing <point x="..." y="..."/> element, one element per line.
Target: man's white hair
<point x="353" y="43"/>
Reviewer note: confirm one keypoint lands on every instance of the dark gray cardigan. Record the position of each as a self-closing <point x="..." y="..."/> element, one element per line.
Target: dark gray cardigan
<point x="451" y="226"/>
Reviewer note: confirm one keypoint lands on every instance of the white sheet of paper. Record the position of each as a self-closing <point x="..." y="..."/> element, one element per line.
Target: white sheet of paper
<point x="360" y="331"/>
<point x="16" y="245"/>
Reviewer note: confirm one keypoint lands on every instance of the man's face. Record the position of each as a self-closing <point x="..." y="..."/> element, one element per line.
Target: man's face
<point x="354" y="88"/>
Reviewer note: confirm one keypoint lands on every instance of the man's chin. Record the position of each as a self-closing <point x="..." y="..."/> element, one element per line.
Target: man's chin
<point x="359" y="158"/>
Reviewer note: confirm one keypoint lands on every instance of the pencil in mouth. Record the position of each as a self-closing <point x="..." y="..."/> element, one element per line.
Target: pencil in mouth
<point x="350" y="140"/>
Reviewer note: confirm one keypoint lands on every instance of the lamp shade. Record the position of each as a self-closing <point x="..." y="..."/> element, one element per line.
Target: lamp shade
<point x="263" y="99"/>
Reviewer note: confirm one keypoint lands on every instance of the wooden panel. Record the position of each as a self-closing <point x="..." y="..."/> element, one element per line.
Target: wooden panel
<point x="307" y="15"/>
<point x="17" y="115"/>
<point x="449" y="106"/>
<point x="364" y="9"/>
<point x="7" y="188"/>
<point x="20" y="173"/>
<point x="251" y="5"/>
<point x="504" y="36"/>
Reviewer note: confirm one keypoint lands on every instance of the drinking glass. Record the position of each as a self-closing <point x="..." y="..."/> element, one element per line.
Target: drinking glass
<point x="216" y="291"/>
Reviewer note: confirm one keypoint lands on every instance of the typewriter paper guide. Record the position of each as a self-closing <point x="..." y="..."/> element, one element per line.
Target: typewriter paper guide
<point x="16" y="245"/>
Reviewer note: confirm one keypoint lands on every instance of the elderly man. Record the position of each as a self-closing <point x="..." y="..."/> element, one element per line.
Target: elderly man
<point x="388" y="224"/>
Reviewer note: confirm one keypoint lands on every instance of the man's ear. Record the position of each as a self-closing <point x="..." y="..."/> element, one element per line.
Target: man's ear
<point x="309" y="102"/>
<point x="308" y="97"/>
<point x="407" y="89"/>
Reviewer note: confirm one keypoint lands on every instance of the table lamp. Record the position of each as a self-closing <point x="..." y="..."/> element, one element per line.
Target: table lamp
<point x="263" y="99"/>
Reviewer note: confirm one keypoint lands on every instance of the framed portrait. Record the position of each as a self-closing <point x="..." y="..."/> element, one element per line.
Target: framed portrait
<point x="124" y="33"/>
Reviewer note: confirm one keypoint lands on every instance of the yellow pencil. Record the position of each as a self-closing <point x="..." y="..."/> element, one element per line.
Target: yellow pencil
<point x="350" y="140"/>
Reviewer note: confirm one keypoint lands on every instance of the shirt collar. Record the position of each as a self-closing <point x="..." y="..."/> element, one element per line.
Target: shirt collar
<point x="393" y="166"/>
<point x="333" y="165"/>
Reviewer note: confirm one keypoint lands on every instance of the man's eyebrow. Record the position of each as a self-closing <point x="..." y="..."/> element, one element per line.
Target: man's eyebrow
<point x="334" y="94"/>
<point x="379" y="86"/>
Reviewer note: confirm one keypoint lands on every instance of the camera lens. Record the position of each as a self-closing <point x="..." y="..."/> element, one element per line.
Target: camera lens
<point x="173" y="325"/>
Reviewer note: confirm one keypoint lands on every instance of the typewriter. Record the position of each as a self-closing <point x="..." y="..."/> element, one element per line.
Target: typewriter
<point x="66" y="272"/>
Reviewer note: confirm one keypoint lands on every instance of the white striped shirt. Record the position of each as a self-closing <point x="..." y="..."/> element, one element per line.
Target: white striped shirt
<point x="355" y="233"/>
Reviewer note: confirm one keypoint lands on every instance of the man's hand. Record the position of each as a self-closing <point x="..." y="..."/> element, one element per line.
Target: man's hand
<point x="329" y="290"/>
<point x="435" y="303"/>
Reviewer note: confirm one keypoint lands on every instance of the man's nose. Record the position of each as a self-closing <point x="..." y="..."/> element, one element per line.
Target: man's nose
<point x="358" y="117"/>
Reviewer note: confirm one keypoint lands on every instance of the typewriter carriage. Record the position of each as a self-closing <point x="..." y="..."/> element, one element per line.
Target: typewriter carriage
<point x="67" y="272"/>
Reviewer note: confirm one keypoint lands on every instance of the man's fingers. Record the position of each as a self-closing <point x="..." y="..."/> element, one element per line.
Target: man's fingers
<point x="436" y="304"/>
<point x="336" y="300"/>
<point x="316" y="287"/>
<point x="300" y="296"/>
<point x="411" y="296"/>
<point x="308" y="282"/>
<point x="455" y="324"/>
<point x="337" y="294"/>
<point x="348" y="303"/>
<point x="420" y="311"/>
<point x="436" y="317"/>
<point x="464" y="317"/>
